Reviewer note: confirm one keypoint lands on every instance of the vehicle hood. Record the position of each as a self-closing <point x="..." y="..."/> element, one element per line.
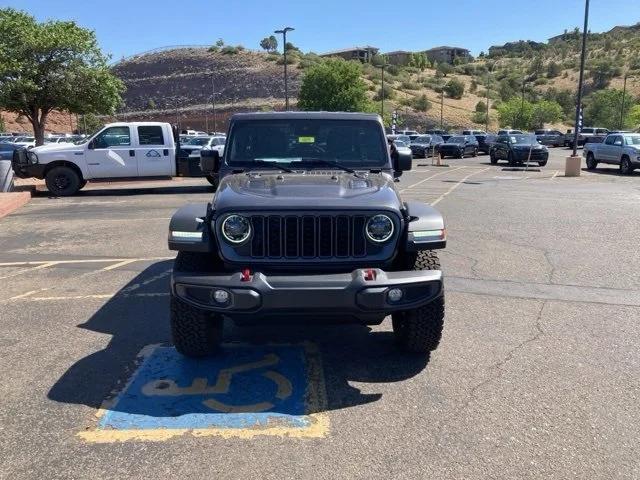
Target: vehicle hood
<point x="451" y="144"/>
<point x="57" y="148"/>
<point x="315" y="191"/>
<point x="523" y="146"/>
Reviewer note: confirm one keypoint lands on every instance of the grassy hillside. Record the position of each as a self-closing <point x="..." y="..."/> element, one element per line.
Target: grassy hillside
<point x="178" y="83"/>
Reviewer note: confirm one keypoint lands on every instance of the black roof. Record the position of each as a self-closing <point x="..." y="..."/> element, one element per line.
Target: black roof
<point x="310" y="115"/>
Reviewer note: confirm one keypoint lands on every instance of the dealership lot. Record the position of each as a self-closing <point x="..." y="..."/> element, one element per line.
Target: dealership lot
<point x="537" y="373"/>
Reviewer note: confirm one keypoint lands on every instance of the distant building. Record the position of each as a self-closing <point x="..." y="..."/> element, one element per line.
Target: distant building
<point x="364" y="54"/>
<point x="447" y="54"/>
<point x="399" y="57"/>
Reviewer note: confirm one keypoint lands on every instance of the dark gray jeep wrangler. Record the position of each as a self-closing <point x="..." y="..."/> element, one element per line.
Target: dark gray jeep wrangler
<point x="306" y="225"/>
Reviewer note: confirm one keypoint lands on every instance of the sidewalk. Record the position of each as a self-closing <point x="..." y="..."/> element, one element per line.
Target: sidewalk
<point x="9" y="202"/>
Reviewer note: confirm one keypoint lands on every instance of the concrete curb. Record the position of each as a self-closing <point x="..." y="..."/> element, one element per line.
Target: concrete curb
<point x="10" y="202"/>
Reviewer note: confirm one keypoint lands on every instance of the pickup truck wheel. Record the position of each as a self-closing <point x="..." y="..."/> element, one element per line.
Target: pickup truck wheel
<point x="62" y="181"/>
<point x="195" y="332"/>
<point x="592" y="164"/>
<point x="213" y="180"/>
<point x="625" y="166"/>
<point x="420" y="330"/>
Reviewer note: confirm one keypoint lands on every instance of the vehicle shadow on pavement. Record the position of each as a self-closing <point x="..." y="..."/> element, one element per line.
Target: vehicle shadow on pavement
<point x="610" y="170"/>
<point x="137" y="317"/>
<point x="114" y="191"/>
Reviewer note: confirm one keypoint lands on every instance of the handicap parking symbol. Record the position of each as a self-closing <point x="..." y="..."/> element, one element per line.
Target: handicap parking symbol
<point x="243" y="391"/>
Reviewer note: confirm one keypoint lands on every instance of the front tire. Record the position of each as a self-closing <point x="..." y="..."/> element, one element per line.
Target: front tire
<point x="420" y="330"/>
<point x="63" y="181"/>
<point x="195" y="332"/>
<point x="625" y="166"/>
<point x="492" y="158"/>
<point x="542" y="163"/>
<point x="592" y="164"/>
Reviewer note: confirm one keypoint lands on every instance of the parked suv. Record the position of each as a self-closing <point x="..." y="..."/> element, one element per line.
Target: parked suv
<point x="425" y="145"/>
<point x="459" y="145"/>
<point x="553" y="138"/>
<point x="307" y="225"/>
<point x="518" y="149"/>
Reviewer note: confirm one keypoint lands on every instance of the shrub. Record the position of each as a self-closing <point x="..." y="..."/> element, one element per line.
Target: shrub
<point x="421" y="103"/>
<point x="387" y="92"/>
<point x="408" y="85"/>
<point x="481" y="107"/>
<point x="454" y="88"/>
<point x="479" y="117"/>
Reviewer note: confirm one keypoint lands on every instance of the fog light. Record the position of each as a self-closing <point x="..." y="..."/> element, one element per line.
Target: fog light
<point x="221" y="296"/>
<point x="395" y="295"/>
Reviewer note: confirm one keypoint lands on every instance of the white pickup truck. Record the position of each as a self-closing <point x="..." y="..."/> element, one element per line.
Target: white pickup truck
<point x="621" y="149"/>
<point x="119" y="150"/>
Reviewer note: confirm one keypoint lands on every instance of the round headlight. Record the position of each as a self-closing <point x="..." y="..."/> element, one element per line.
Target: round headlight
<point x="379" y="228"/>
<point x="236" y="229"/>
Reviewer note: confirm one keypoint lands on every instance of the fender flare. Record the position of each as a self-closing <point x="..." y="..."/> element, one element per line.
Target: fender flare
<point x="189" y="229"/>
<point x="424" y="218"/>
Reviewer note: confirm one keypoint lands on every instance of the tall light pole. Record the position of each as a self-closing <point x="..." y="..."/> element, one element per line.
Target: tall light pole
<point x="442" y="109"/>
<point x="382" y="67"/>
<point x="624" y="94"/>
<point x="284" y="48"/>
<point x="213" y="102"/>
<point x="581" y="79"/>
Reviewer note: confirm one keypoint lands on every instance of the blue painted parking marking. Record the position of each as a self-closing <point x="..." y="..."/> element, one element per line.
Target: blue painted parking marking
<point x="243" y="391"/>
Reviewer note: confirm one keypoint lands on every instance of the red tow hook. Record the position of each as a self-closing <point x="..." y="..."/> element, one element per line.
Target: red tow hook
<point x="246" y="275"/>
<point x="369" y="274"/>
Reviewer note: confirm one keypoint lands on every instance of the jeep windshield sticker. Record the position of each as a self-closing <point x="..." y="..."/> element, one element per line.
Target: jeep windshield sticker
<point x="306" y="139"/>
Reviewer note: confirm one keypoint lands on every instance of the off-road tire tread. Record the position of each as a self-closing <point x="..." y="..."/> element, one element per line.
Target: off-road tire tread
<point x="420" y="330"/>
<point x="195" y="332"/>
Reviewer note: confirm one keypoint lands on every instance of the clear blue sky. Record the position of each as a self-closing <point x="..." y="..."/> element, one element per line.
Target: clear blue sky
<point x="132" y="26"/>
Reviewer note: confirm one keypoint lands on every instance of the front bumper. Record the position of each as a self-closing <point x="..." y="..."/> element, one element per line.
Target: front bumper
<point x="25" y="165"/>
<point x="451" y="152"/>
<point x="346" y="295"/>
<point x="535" y="156"/>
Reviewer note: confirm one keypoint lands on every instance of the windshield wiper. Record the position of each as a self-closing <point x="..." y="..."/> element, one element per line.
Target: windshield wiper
<point x="273" y="164"/>
<point x="327" y="163"/>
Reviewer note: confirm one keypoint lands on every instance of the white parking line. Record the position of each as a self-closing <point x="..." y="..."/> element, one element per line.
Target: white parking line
<point x="117" y="265"/>
<point x="28" y="270"/>
<point x="85" y="260"/>
<point x="429" y="178"/>
<point x="437" y="200"/>
<point x="555" y="174"/>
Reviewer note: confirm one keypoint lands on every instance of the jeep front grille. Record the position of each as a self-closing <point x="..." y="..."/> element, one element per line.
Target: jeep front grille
<point x="308" y="236"/>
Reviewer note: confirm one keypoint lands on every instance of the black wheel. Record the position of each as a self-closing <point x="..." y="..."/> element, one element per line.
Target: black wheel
<point x="460" y="154"/>
<point x="592" y="164"/>
<point x="475" y="152"/>
<point x="492" y="158"/>
<point x="420" y="330"/>
<point x="213" y="180"/>
<point x="542" y="163"/>
<point x="63" y="181"/>
<point x="83" y="184"/>
<point x="195" y="332"/>
<point x="625" y="166"/>
<point x="511" y="159"/>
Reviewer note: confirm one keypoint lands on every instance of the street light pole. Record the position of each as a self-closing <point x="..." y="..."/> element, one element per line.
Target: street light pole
<point x="382" y="67"/>
<point x="284" y="48"/>
<point x="441" y="109"/>
<point x="624" y="94"/>
<point x="581" y="79"/>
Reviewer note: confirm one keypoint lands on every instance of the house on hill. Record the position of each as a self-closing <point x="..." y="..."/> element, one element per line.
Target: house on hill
<point x="447" y="54"/>
<point x="364" y="54"/>
<point x="399" y="57"/>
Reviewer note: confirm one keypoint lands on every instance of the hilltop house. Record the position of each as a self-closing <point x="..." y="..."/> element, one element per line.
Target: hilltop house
<point x="364" y="54"/>
<point x="447" y="54"/>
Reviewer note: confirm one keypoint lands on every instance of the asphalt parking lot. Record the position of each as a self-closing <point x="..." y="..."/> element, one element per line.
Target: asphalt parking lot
<point x="537" y="375"/>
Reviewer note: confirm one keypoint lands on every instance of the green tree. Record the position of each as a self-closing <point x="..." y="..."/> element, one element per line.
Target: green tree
<point x="333" y="85"/>
<point x="2" y="125"/>
<point x="454" y="88"/>
<point x="535" y="69"/>
<point x="387" y="92"/>
<point x="479" y="117"/>
<point x="602" y="71"/>
<point x="553" y="69"/>
<point x="444" y="69"/>
<point x="566" y="99"/>
<point x="633" y="117"/>
<point x="52" y="65"/>
<point x="515" y="113"/>
<point x="89" y="124"/>
<point x="421" y="103"/>
<point x="270" y="43"/>
<point x="603" y="107"/>
<point x="481" y="107"/>
<point x="545" y="111"/>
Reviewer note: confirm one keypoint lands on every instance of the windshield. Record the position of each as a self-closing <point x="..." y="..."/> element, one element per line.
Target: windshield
<point x="632" y="140"/>
<point x="399" y="143"/>
<point x="456" y="140"/>
<point x="353" y="143"/>
<point x="423" y="139"/>
<point x="523" y="139"/>
<point x="200" y="141"/>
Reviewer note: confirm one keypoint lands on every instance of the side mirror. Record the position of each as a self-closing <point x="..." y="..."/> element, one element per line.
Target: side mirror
<point x="404" y="163"/>
<point x="91" y="145"/>
<point x="209" y="161"/>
